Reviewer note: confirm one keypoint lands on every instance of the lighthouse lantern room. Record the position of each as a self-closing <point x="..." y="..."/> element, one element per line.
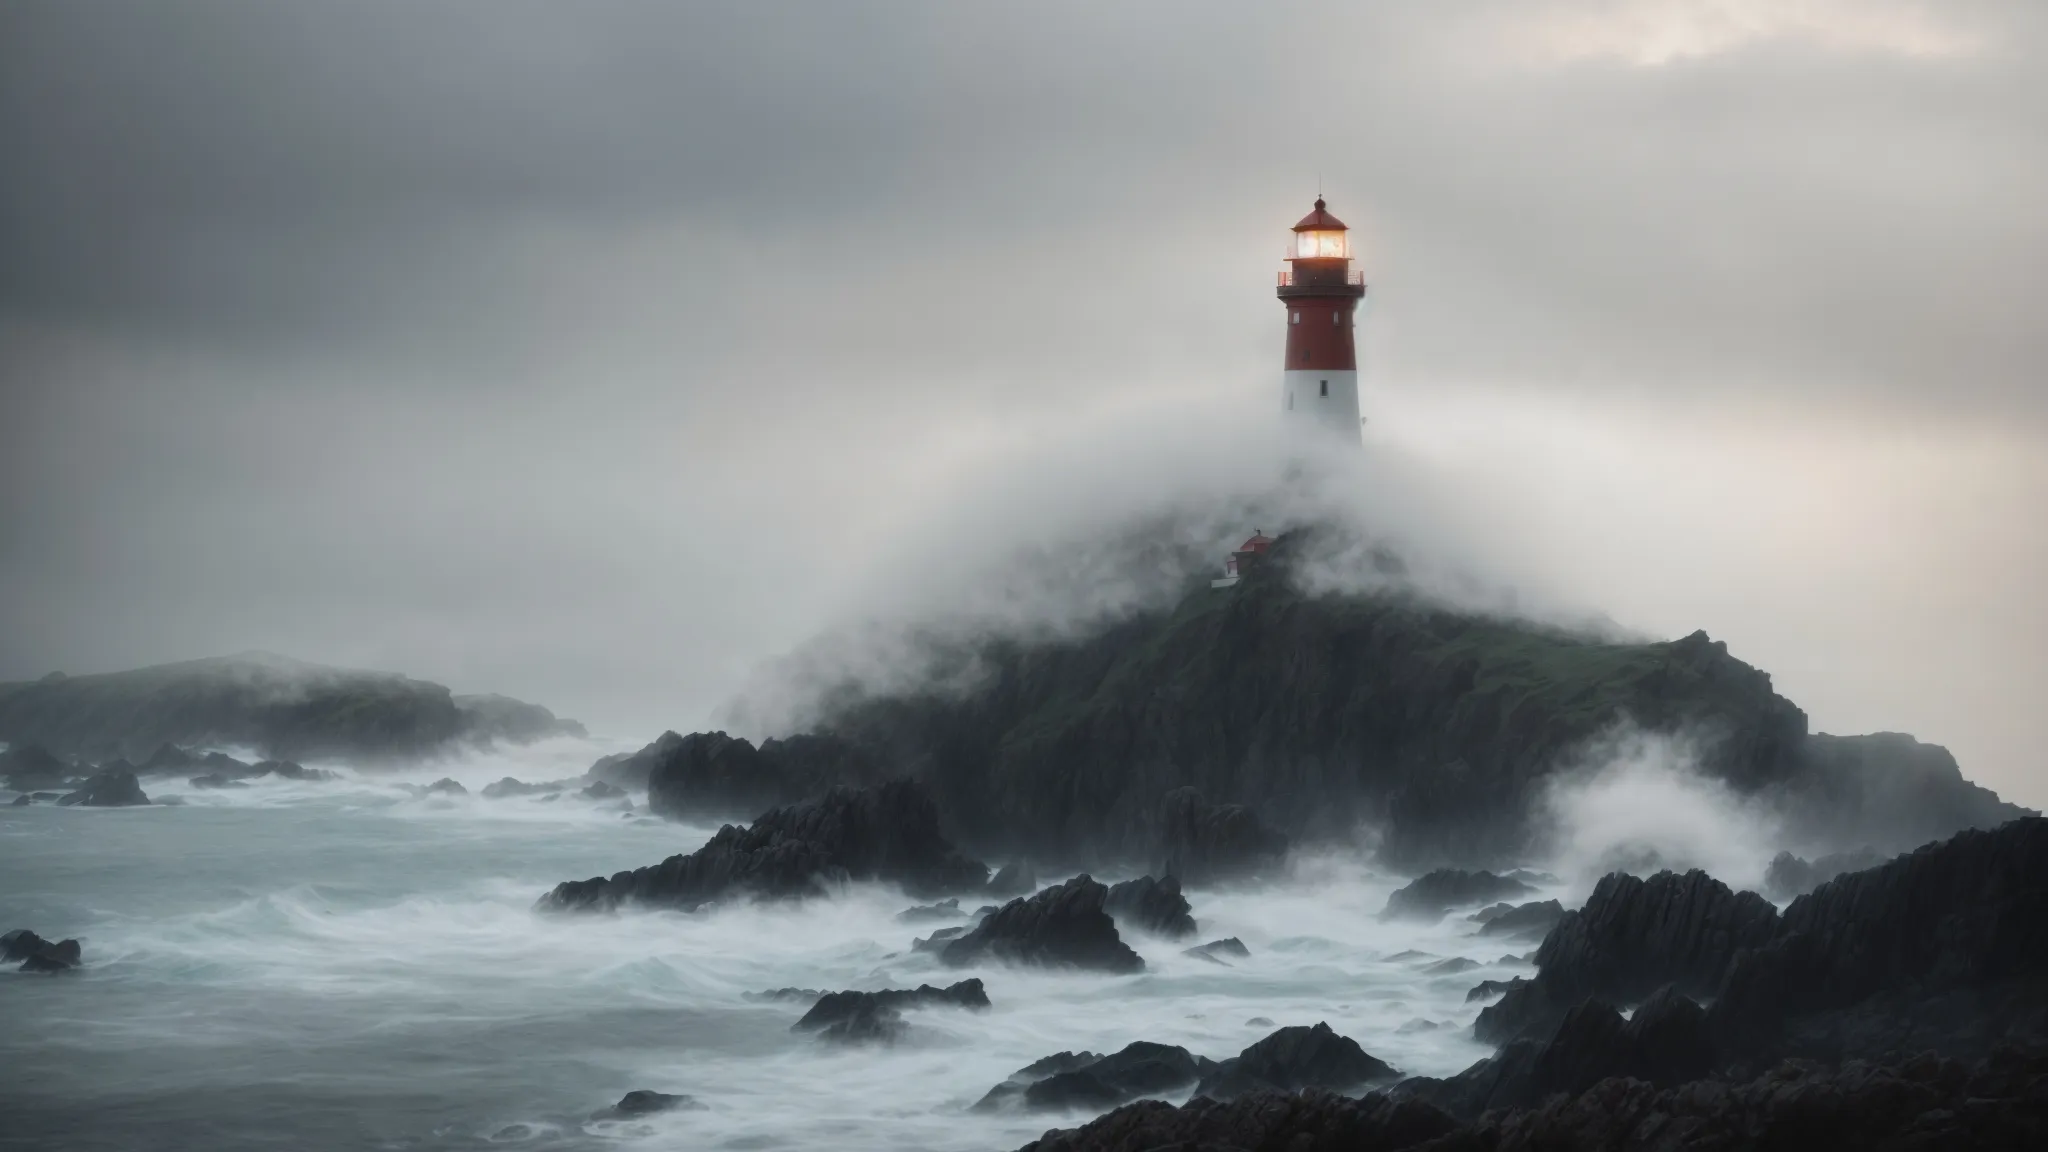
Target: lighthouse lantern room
<point x="1319" y="385"/>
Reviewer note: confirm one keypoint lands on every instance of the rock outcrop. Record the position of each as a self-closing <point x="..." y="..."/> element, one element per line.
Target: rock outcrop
<point x="1215" y="950"/>
<point x="1667" y="1041"/>
<point x="1789" y="876"/>
<point x="644" y="1103"/>
<point x="1311" y="1121"/>
<point x="888" y="833"/>
<point x="1203" y="843"/>
<point x="713" y="774"/>
<point x="1431" y="897"/>
<point x="1062" y="926"/>
<point x="1068" y="1082"/>
<point x="285" y="708"/>
<point x="1942" y="948"/>
<point x="1926" y="1102"/>
<point x="32" y="767"/>
<point x="1534" y="919"/>
<point x="877" y="1017"/>
<point x="1632" y="937"/>
<point x="36" y="954"/>
<point x="1151" y="905"/>
<point x="1295" y="1058"/>
<point x="108" y="788"/>
<point x="631" y="769"/>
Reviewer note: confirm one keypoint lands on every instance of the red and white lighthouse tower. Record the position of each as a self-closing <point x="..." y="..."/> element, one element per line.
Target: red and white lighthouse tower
<point x="1319" y="387"/>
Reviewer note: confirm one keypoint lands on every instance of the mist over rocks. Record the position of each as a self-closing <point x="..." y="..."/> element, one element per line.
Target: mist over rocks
<point x="1431" y="897"/>
<point x="108" y="788"/>
<point x="631" y="769"/>
<point x="1789" y="876"/>
<point x="1151" y="904"/>
<point x="1065" y="925"/>
<point x="1535" y="918"/>
<point x="889" y="833"/>
<point x="287" y="709"/>
<point x="37" y="954"/>
<point x="877" y="1017"/>
<point x="713" y="774"/>
<point x="1203" y="843"/>
<point x="1299" y="716"/>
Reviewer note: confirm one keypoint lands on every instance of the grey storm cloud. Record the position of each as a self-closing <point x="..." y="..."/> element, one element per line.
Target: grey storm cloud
<point x="598" y="352"/>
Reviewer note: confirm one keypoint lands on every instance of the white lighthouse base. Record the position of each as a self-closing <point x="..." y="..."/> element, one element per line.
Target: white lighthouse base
<point x="1321" y="400"/>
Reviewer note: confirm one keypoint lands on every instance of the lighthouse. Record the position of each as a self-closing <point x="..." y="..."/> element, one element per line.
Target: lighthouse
<point x="1319" y="385"/>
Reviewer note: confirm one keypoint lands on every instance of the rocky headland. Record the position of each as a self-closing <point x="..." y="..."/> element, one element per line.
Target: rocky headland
<point x="283" y="708"/>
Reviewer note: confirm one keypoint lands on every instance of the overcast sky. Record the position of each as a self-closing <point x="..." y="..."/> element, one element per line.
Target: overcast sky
<point x="598" y="353"/>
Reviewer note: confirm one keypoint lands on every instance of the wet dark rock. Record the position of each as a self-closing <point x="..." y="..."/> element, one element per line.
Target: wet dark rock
<point x="1259" y="1022"/>
<point x="1941" y="949"/>
<point x="1139" y="1069"/>
<point x="1790" y="876"/>
<point x="1295" y="1058"/>
<point x="1419" y="1025"/>
<point x="112" y="788"/>
<point x="1409" y="955"/>
<point x="713" y="774"/>
<point x="1632" y="937"/>
<point x="37" y="954"/>
<point x="1013" y="879"/>
<point x="1432" y="896"/>
<point x="510" y="788"/>
<point x="1488" y="989"/>
<point x="631" y="769"/>
<point x="1152" y="906"/>
<point x="1204" y="843"/>
<point x="282" y="707"/>
<point x="869" y="1017"/>
<point x="1923" y="1103"/>
<point x="782" y="995"/>
<point x="888" y="833"/>
<point x="1450" y="967"/>
<point x="444" y="787"/>
<point x="215" y="780"/>
<point x="1062" y="926"/>
<point x="31" y="767"/>
<point x="645" y="1103"/>
<point x="1217" y="949"/>
<point x="21" y="801"/>
<point x="1010" y="1093"/>
<point x="937" y="940"/>
<point x="1485" y="914"/>
<point x="1534" y="919"/>
<point x="1072" y="1081"/>
<point x="943" y="910"/>
<point x="599" y="790"/>
<point x="1666" y="1042"/>
<point x="290" y="770"/>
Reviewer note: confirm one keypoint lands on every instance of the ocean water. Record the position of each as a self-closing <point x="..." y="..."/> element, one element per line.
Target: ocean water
<point x="344" y="965"/>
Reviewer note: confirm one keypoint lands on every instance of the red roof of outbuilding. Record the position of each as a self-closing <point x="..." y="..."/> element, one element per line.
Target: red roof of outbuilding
<point x="1319" y="221"/>
<point x="1258" y="543"/>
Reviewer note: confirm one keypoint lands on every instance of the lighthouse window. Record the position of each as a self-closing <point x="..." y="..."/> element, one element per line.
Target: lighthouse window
<point x="1326" y="387"/>
<point x="1333" y="318"/>
<point x="1297" y="318"/>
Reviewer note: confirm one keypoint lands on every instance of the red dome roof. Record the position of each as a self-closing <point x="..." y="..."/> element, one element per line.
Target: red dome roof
<point x="1319" y="221"/>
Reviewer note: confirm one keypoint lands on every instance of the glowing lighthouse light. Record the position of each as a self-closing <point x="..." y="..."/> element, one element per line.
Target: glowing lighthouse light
<point x="1319" y="385"/>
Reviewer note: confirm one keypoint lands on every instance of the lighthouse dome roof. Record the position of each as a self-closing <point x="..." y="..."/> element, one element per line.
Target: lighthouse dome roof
<point x="1319" y="220"/>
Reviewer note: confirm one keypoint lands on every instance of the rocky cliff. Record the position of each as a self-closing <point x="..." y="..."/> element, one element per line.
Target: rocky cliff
<point x="280" y="707"/>
<point x="1316" y="712"/>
